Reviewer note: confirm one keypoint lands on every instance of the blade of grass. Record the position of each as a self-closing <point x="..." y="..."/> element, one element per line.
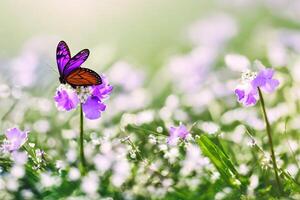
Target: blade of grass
<point x="220" y="160"/>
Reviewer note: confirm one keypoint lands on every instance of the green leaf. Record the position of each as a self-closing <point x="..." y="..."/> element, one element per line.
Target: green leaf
<point x="220" y="160"/>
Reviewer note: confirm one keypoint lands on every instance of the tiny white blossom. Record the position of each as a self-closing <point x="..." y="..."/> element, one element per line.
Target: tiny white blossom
<point x="74" y="174"/>
<point x="90" y="183"/>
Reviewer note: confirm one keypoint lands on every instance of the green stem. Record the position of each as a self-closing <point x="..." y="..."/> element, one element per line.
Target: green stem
<point x="268" y="129"/>
<point x="81" y="153"/>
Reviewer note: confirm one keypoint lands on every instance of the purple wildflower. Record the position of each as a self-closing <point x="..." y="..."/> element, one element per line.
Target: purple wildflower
<point x="176" y="133"/>
<point x="91" y="98"/>
<point x="246" y="94"/>
<point x="15" y="138"/>
<point x="102" y="91"/>
<point x="93" y="107"/>
<point x="66" y="98"/>
<point x="265" y="81"/>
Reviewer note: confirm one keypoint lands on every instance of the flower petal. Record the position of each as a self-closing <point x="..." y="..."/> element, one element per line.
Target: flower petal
<point x="175" y="133"/>
<point x="66" y="99"/>
<point x="240" y="94"/>
<point x="247" y="94"/>
<point x="15" y="139"/>
<point x="102" y="91"/>
<point x="265" y="80"/>
<point x="271" y="85"/>
<point x="12" y="133"/>
<point x="268" y="73"/>
<point x="259" y="80"/>
<point x="93" y="107"/>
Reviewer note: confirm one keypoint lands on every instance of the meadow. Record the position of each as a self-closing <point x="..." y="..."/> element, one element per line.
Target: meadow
<point x="186" y="100"/>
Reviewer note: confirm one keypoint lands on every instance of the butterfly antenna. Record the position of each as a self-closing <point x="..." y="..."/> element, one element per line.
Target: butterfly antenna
<point x="52" y="68"/>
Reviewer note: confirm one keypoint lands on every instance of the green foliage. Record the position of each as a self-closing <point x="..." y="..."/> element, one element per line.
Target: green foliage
<point x="221" y="161"/>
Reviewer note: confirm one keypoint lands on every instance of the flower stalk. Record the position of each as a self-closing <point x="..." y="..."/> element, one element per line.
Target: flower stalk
<point x="81" y="147"/>
<point x="269" y="133"/>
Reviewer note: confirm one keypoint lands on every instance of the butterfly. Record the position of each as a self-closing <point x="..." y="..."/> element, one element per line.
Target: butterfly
<point x="69" y="67"/>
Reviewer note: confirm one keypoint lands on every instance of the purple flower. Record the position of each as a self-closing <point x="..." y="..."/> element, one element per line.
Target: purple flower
<point x="265" y="81"/>
<point x="14" y="139"/>
<point x="175" y="133"/>
<point x="246" y="94"/>
<point x="102" y="91"/>
<point x="93" y="107"/>
<point x="66" y="98"/>
<point x="91" y="98"/>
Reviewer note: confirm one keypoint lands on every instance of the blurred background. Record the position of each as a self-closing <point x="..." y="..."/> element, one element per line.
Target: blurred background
<point x="170" y="61"/>
<point x="141" y="30"/>
<point x="148" y="50"/>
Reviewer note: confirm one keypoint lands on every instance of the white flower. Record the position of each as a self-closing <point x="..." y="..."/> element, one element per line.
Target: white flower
<point x="172" y="154"/>
<point x="293" y="169"/>
<point x="48" y="181"/>
<point x="60" y="164"/>
<point x="194" y="161"/>
<point x="254" y="181"/>
<point x="17" y="171"/>
<point x="27" y="194"/>
<point x="243" y="169"/>
<point x="103" y="162"/>
<point x="74" y="174"/>
<point x="210" y="127"/>
<point x="12" y="184"/>
<point x="20" y="158"/>
<point x="90" y="183"/>
<point x="121" y="171"/>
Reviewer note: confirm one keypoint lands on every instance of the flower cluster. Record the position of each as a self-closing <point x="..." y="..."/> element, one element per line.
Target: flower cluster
<point x="91" y="98"/>
<point x="177" y="133"/>
<point x="247" y="91"/>
<point x="15" y="138"/>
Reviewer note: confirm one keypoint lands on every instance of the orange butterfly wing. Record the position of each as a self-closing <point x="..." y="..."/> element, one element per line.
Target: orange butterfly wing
<point x="83" y="77"/>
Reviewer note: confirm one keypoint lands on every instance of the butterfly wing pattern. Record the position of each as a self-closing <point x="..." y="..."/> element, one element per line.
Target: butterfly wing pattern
<point x="76" y="61"/>
<point x="63" y="56"/>
<point x="84" y="76"/>
<point x="70" y="70"/>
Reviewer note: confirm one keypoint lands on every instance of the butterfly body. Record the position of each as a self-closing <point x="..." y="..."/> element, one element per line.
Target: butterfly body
<point x="62" y="80"/>
<point x="69" y="67"/>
